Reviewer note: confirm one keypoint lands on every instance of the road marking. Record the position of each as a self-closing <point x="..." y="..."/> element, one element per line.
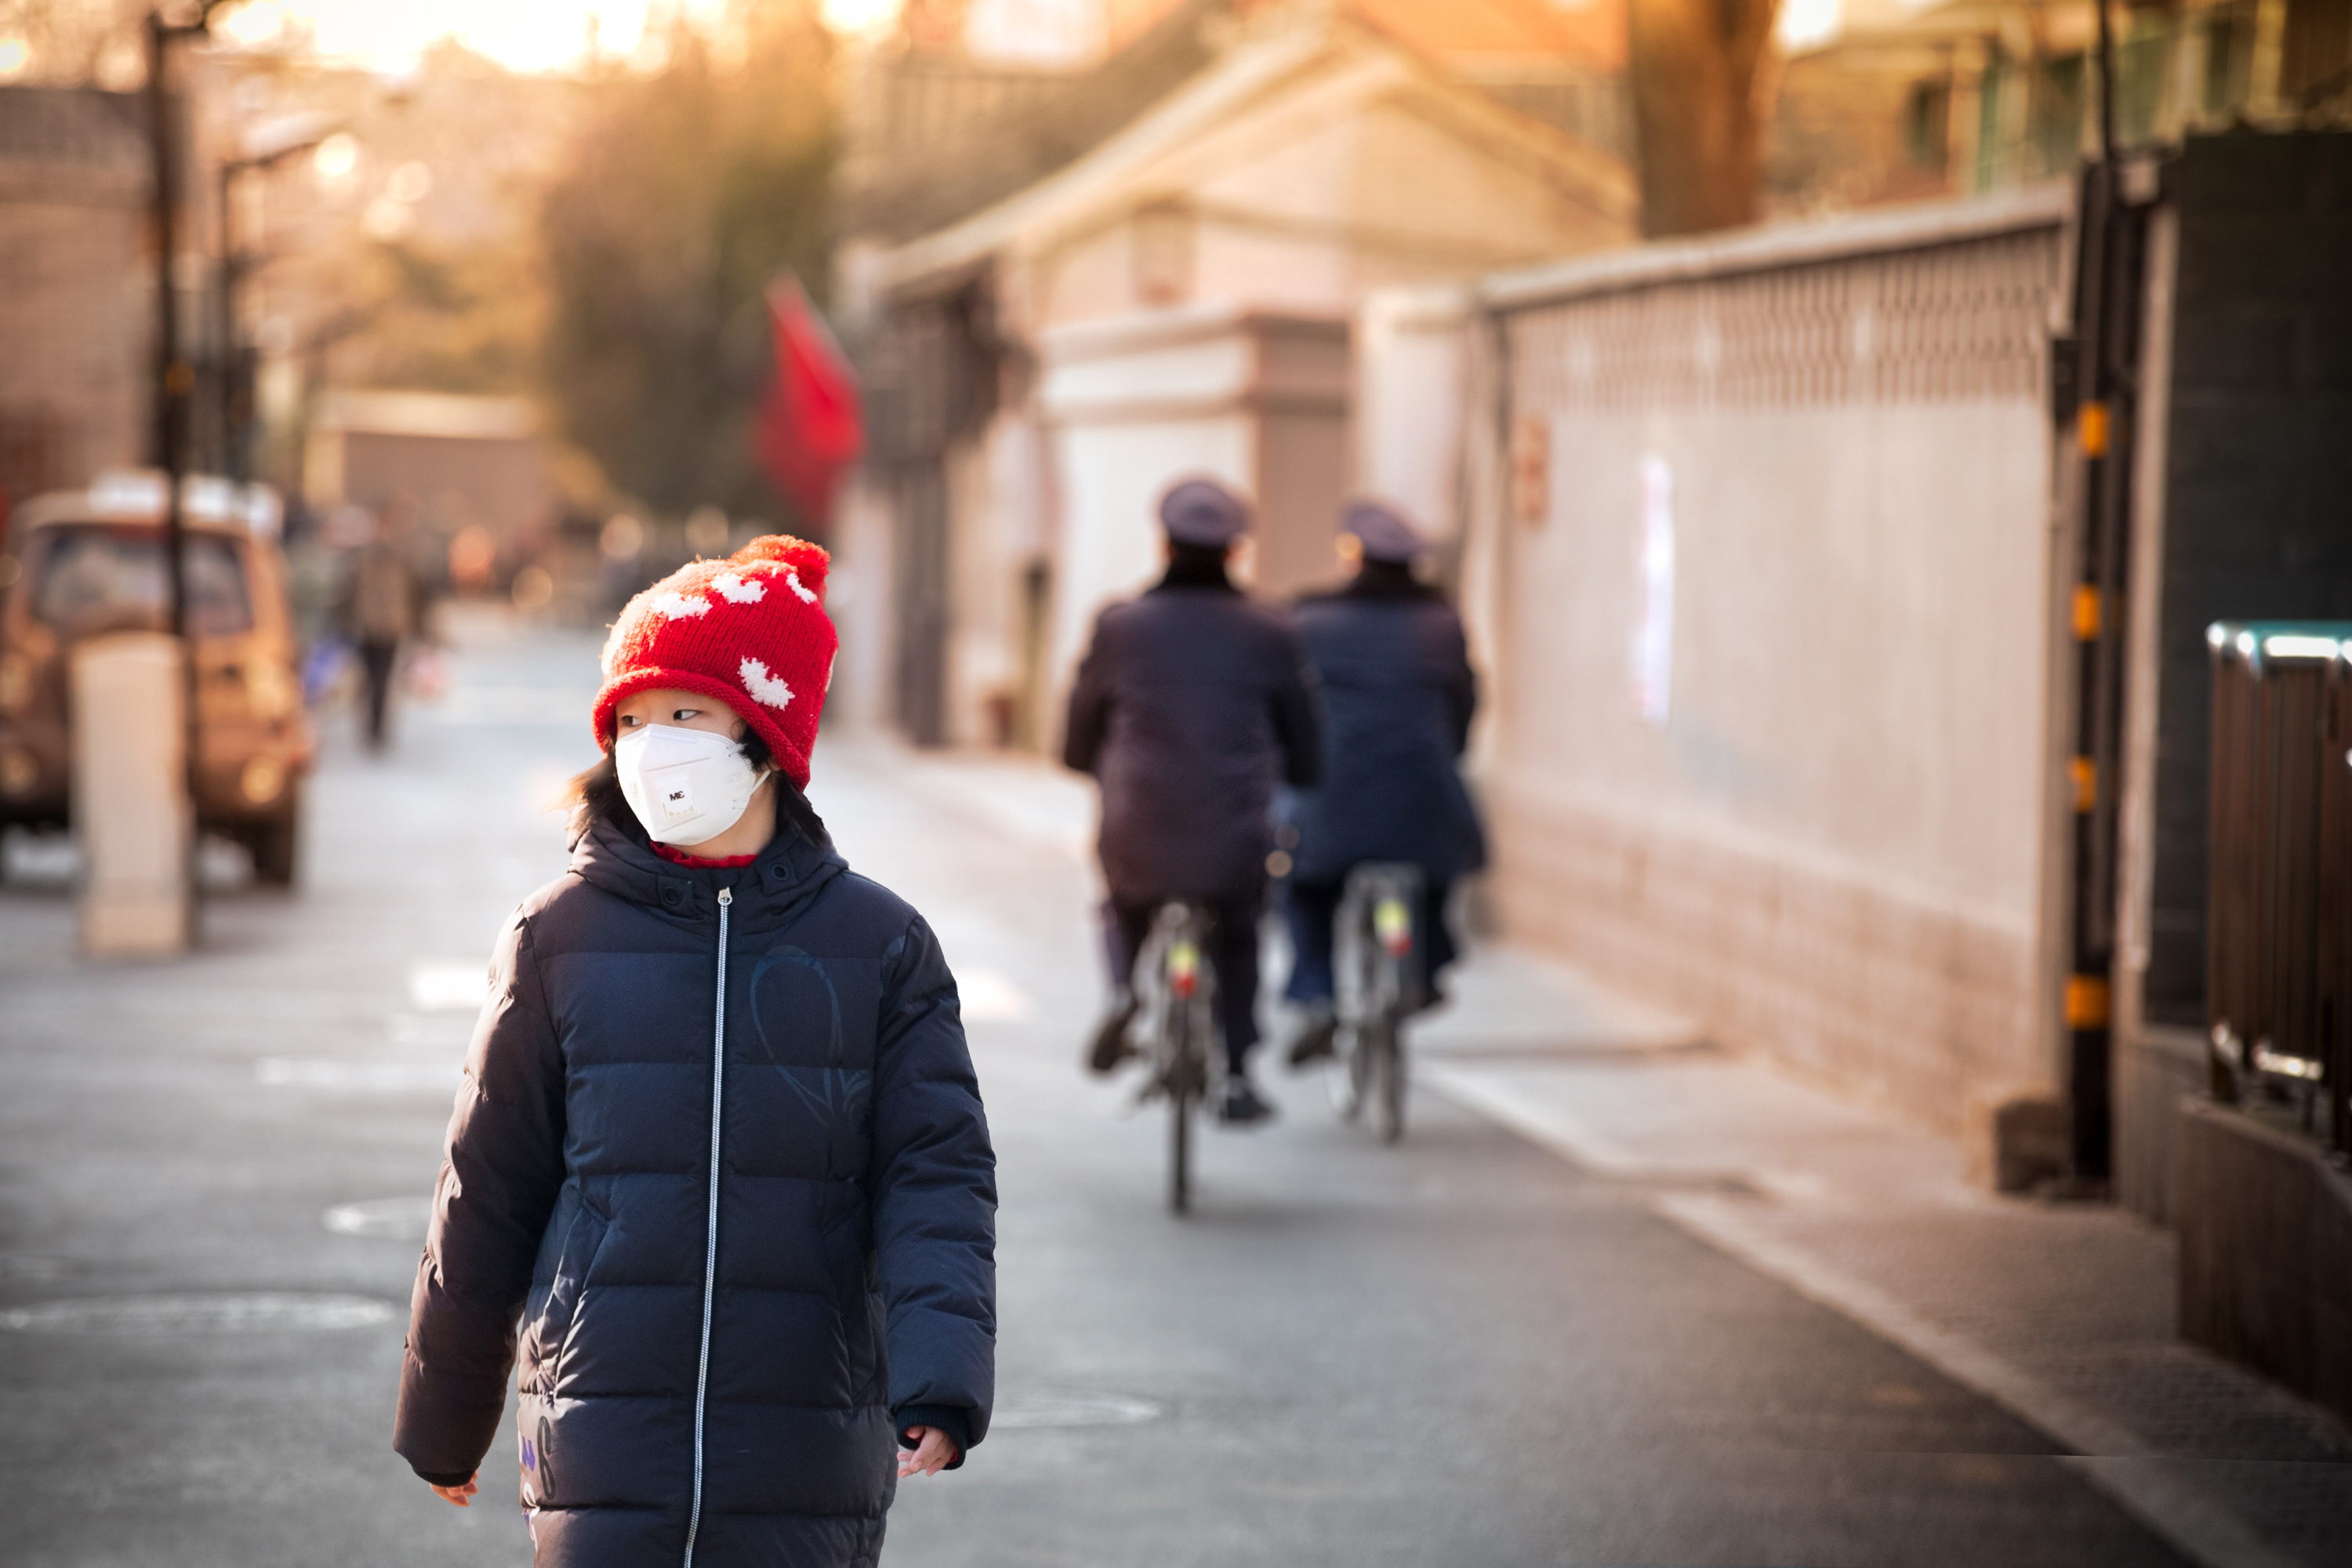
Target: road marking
<point x="990" y="998"/>
<point x="504" y="706"/>
<point x="380" y="1219"/>
<point x="304" y="1072"/>
<point x="1036" y="1411"/>
<point x="448" y="985"/>
<point x="266" y="1313"/>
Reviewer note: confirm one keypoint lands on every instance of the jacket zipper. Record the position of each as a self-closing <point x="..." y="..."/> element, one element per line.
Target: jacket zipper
<point x="710" y="1234"/>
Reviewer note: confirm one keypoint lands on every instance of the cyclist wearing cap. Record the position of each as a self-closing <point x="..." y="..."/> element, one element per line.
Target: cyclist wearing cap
<point x="1398" y="693"/>
<point x="1192" y="704"/>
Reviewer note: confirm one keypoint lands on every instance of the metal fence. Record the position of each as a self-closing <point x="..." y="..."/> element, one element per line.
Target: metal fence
<point x="2279" y="985"/>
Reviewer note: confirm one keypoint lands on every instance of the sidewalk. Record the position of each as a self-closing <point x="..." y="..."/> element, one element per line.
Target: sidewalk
<point x="2064" y="1313"/>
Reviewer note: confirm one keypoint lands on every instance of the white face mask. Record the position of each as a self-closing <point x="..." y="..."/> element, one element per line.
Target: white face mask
<point x="685" y="785"/>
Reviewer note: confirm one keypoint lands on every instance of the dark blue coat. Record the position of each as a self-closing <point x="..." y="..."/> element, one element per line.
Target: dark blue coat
<point x="853" y="1285"/>
<point x="1190" y="705"/>
<point x="1398" y="694"/>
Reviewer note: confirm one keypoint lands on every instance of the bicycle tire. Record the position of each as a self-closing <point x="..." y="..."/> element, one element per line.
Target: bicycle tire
<point x="1179" y="1153"/>
<point x="1388" y="1089"/>
<point x="1187" y="1043"/>
<point x="1358" y="1056"/>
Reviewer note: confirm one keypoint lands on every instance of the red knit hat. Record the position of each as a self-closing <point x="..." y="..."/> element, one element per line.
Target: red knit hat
<point x="749" y="630"/>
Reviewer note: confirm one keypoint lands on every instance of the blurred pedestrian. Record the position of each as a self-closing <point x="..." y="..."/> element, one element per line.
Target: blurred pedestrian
<point x="1398" y="696"/>
<point x="1192" y="703"/>
<point x="719" y="1145"/>
<point x="380" y="613"/>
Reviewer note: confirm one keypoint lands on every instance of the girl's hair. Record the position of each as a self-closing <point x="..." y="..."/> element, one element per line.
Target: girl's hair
<point x="596" y="792"/>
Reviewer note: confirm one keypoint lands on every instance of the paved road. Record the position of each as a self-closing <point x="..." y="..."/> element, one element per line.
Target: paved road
<point x="1462" y="1351"/>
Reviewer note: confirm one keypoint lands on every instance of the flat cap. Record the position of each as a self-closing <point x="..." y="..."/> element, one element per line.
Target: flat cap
<point x="1382" y="531"/>
<point x="1202" y="512"/>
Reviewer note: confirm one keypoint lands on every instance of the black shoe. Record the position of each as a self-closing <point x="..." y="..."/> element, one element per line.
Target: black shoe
<point x="1110" y="1046"/>
<point x="1315" y="1039"/>
<point x="1242" y="1105"/>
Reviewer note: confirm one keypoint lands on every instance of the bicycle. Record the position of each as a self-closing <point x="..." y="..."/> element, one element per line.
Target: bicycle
<point x="1175" y="1027"/>
<point x="1379" y="985"/>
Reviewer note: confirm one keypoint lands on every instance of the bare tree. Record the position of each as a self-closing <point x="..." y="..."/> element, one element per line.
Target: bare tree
<point x="1699" y="76"/>
<point x="74" y="42"/>
<point x="688" y="193"/>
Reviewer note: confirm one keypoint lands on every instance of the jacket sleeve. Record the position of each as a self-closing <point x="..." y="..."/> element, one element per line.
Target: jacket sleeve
<point x="501" y="1169"/>
<point x="1299" y="715"/>
<point x="1089" y="715"/>
<point x="934" y="1185"/>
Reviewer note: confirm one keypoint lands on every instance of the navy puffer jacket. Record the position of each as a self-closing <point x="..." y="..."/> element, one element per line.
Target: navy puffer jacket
<point x="714" y="1381"/>
<point x="1398" y="696"/>
<point x="1192" y="704"/>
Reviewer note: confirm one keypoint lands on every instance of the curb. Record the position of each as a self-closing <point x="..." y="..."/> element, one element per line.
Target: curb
<point x="2102" y="1452"/>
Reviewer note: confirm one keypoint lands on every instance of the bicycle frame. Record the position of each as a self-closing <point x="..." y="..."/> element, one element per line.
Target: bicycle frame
<point x="1176" y="1028"/>
<point x="1379" y="985"/>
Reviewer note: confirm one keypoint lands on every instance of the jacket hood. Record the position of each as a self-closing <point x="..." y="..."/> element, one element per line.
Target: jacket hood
<point x="790" y="872"/>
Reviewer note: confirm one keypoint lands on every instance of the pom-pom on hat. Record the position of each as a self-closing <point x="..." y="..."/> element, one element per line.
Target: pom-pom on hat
<point x="1382" y="531"/>
<point x="749" y="631"/>
<point x="1202" y="512"/>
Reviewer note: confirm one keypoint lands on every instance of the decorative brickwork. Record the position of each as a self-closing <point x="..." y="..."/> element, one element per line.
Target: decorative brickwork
<point x="1961" y="319"/>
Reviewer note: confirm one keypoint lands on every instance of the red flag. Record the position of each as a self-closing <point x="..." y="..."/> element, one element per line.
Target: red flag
<point x="810" y="427"/>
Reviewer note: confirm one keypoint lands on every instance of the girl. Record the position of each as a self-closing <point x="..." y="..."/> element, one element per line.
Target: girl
<point x="718" y="1146"/>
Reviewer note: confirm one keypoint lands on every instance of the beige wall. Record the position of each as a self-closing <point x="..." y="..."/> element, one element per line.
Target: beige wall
<point x="1260" y="401"/>
<point x="1384" y="195"/>
<point x="1413" y="403"/>
<point x="1151" y="281"/>
<point x="1834" y="843"/>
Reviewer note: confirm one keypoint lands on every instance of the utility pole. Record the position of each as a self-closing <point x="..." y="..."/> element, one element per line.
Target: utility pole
<point x="175" y="399"/>
<point x="2108" y="262"/>
<point x="236" y="380"/>
<point x="176" y="377"/>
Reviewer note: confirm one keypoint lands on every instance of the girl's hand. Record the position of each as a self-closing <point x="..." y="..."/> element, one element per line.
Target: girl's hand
<point x="457" y="1495"/>
<point x="934" y="1451"/>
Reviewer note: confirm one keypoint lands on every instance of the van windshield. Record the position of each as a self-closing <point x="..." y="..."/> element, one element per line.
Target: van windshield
<point x="95" y="577"/>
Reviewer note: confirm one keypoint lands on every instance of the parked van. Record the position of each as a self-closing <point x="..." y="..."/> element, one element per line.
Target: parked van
<point x="79" y="565"/>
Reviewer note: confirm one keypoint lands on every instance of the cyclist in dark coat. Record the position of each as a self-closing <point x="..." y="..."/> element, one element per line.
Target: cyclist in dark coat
<point x="719" y="1147"/>
<point x="1398" y="696"/>
<point x="1192" y="703"/>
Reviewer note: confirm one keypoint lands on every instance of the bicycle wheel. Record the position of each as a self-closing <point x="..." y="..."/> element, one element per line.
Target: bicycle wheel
<point x="1353" y="978"/>
<point x="1188" y="1036"/>
<point x="1386" y="1089"/>
<point x="1180" y="1153"/>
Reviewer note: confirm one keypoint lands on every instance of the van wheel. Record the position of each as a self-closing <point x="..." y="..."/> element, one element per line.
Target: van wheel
<point x="273" y="844"/>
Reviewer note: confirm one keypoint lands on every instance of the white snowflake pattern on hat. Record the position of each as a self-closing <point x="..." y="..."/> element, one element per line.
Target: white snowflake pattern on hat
<point x="742" y="590"/>
<point x="764" y="687"/>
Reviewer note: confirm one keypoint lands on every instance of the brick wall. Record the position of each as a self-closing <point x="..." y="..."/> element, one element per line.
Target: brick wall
<point x="76" y="300"/>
